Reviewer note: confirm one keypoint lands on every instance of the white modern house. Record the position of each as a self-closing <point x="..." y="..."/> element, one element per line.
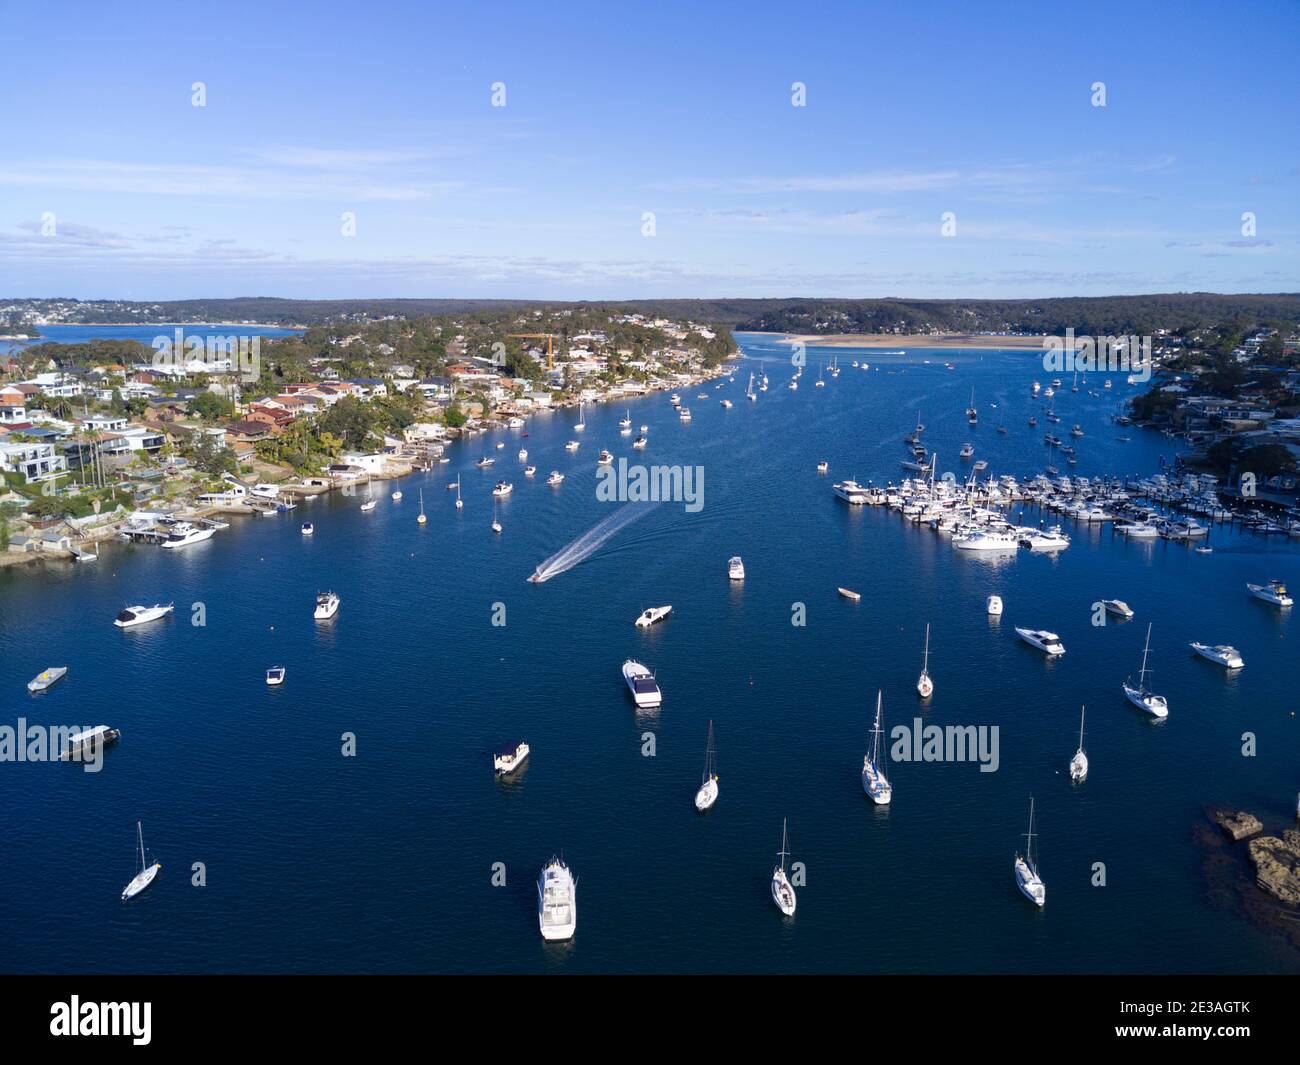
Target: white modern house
<point x="35" y="461"/>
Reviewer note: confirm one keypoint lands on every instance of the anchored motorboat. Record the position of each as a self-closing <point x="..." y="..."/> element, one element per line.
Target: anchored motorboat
<point x="1117" y="607"/>
<point x="642" y="684"/>
<point x="509" y="758"/>
<point x="327" y="605"/>
<point x="736" y="568"/>
<point x="140" y="615"/>
<point x="275" y="676"/>
<point x="555" y="478"/>
<point x="1273" y="592"/>
<point x="1047" y="642"/>
<point x="1220" y="654"/>
<point x="47" y="678"/>
<point x="557" y="901"/>
<point x="651" y="614"/>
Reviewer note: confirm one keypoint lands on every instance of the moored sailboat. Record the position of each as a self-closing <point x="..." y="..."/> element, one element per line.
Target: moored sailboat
<point x="707" y="794"/>
<point x="924" y="685"/>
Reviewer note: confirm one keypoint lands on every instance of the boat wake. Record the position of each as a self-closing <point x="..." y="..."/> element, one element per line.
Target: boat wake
<point x="590" y="542"/>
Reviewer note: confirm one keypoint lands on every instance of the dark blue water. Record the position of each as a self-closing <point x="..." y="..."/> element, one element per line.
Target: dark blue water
<point x="384" y="862"/>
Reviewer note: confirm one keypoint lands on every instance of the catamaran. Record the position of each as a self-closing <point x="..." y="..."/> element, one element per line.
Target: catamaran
<point x="708" y="793"/>
<point x="874" y="781"/>
<point x="1141" y="696"/>
<point x="1079" y="763"/>
<point x="1027" y="879"/>
<point x="782" y="891"/>
<point x="145" y="876"/>
<point x="924" y="685"/>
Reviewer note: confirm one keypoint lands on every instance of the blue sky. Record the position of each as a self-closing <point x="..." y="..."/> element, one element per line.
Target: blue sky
<point x="684" y="110"/>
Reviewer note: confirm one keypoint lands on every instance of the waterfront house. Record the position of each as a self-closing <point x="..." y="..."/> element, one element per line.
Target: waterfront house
<point x="36" y="461"/>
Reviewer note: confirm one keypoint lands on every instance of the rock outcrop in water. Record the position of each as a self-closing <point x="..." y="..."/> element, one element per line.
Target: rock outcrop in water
<point x="1277" y="865"/>
<point x="1237" y="824"/>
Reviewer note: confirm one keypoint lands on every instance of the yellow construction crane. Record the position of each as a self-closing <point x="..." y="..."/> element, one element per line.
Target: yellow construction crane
<point x="550" y="339"/>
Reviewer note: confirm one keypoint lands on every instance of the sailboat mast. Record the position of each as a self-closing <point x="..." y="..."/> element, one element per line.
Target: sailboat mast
<point x="925" y="662"/>
<point x="139" y="831"/>
<point x="1142" y="677"/>
<point x="875" y="733"/>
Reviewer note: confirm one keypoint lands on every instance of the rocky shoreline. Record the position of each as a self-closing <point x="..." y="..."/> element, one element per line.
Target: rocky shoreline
<point x="1271" y="896"/>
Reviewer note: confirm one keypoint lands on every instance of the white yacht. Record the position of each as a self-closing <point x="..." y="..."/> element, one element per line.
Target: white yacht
<point x="1079" y="763"/>
<point x="308" y="528"/>
<point x="651" y="614"/>
<point x="639" y="442"/>
<point x="557" y="901"/>
<point x="145" y="876"/>
<point x="924" y="685"/>
<point x="47" y="678"/>
<point x="523" y="454"/>
<point x="183" y="533"/>
<point x="708" y="793"/>
<point x="1117" y="607"/>
<point x="1139" y="530"/>
<point x="1047" y="642"/>
<point x="509" y="758"/>
<point x="1220" y="654"/>
<point x="1141" y="696"/>
<point x="1027" y="879"/>
<point x="736" y="568"/>
<point x="275" y="676"/>
<point x="727" y="404"/>
<point x="1273" y="592"/>
<point x="396" y="497"/>
<point x="140" y="615"/>
<point x="572" y="445"/>
<point x="1045" y="539"/>
<point x="986" y="540"/>
<point x="502" y="488"/>
<point x="967" y="450"/>
<point x="604" y="458"/>
<point x="823" y="466"/>
<point x="485" y="462"/>
<point x="684" y="413"/>
<point x="782" y="890"/>
<point x="642" y="684"/>
<point x="848" y="490"/>
<point x="530" y="471"/>
<point x="327" y="605"/>
<point x="556" y="478"/>
<point x="994" y="606"/>
<point x="874" y="781"/>
<point x="369" y="505"/>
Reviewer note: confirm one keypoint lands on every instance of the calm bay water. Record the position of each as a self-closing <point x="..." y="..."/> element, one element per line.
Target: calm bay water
<point x="384" y="862"/>
<point x="145" y="334"/>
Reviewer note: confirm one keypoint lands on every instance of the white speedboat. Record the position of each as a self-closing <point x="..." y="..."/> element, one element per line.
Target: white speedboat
<point x="994" y="606"/>
<point x="1139" y="530"/>
<point x="327" y="605"/>
<point x="684" y="413"/>
<point x="182" y="534"/>
<point x="509" y="758"/>
<point x="484" y="462"/>
<point x="1140" y="695"/>
<point x="1273" y="592"/>
<point x="502" y="488"/>
<point x="1079" y="763"/>
<point x="736" y="568"/>
<point x="726" y="404"/>
<point x="1027" y="879"/>
<point x="782" y="890"/>
<point x="1220" y="654"/>
<point x="848" y="490"/>
<point x="47" y="678"/>
<point x="556" y="478"/>
<point x="140" y="615"/>
<point x="651" y="614"/>
<point x="924" y="685"/>
<point x="523" y="454"/>
<point x="1117" y="607"/>
<point x="967" y="450"/>
<point x="639" y="442"/>
<point x="275" y="676"/>
<point x="308" y="528"/>
<point x="604" y="458"/>
<point x="708" y="791"/>
<point x="572" y="445"/>
<point x="557" y="901"/>
<point x="1047" y="642"/>
<point x="874" y="781"/>
<point x="642" y="684"/>
<point x="530" y="471"/>
<point x="145" y="876"/>
<point x="823" y="466"/>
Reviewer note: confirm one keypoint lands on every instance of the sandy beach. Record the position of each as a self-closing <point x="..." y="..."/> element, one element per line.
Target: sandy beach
<point x="894" y="342"/>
